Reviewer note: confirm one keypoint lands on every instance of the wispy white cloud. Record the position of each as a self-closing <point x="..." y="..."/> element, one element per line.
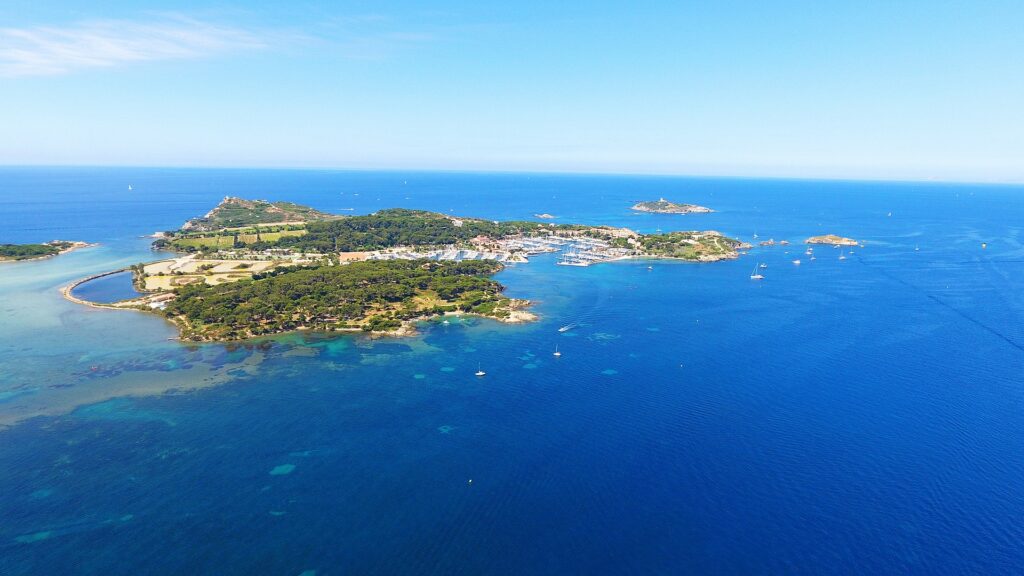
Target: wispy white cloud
<point x="50" y="50"/>
<point x="367" y="37"/>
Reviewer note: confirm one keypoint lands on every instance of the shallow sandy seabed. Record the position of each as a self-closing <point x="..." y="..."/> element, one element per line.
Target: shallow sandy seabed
<point x="125" y="384"/>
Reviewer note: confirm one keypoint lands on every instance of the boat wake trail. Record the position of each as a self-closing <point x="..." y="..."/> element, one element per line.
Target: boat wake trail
<point x="944" y="304"/>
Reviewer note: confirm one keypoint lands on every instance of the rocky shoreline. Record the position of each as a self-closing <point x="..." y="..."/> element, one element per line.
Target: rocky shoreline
<point x="831" y="239"/>
<point x="662" y="206"/>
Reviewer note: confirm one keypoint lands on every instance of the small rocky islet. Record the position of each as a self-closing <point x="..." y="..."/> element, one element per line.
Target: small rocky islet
<point x="663" y="206"/>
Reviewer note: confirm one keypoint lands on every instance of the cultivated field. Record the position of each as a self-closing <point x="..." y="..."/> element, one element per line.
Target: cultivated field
<point x="227" y="241"/>
<point x="169" y="274"/>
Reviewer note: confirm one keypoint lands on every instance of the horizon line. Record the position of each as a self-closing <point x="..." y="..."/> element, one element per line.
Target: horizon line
<point x="653" y="174"/>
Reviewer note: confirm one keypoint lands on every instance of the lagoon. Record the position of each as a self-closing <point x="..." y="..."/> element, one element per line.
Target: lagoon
<point x="107" y="289"/>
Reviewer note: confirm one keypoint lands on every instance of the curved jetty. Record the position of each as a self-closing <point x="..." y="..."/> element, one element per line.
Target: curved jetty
<point x="66" y="290"/>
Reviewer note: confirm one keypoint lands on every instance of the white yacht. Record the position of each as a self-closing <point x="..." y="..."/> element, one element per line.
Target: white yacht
<point x="572" y="258"/>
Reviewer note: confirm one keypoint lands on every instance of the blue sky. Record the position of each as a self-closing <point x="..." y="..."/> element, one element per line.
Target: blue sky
<point x="867" y="89"/>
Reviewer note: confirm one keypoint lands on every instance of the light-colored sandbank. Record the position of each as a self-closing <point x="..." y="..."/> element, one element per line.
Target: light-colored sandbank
<point x="129" y="384"/>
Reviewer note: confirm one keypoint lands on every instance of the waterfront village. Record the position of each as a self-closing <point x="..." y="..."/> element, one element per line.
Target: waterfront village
<point x="229" y="265"/>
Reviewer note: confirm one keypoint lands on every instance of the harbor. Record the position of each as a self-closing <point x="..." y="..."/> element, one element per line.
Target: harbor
<point x="575" y="251"/>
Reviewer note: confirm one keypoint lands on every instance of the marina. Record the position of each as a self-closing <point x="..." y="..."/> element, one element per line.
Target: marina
<point x="574" y="251"/>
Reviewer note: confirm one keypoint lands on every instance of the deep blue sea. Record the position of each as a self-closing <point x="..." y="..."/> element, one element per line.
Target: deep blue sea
<point x="858" y="416"/>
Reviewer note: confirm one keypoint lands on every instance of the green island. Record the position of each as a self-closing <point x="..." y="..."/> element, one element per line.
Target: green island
<point x="380" y="296"/>
<point x="831" y="239"/>
<point x="19" y="252"/>
<point x="245" y="269"/>
<point x="662" y="206"/>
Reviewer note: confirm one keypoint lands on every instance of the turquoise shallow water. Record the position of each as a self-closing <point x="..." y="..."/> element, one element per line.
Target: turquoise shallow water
<point x="855" y="416"/>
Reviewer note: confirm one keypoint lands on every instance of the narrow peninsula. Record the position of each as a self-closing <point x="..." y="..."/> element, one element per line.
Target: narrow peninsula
<point x="234" y="212"/>
<point x="662" y="206"/>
